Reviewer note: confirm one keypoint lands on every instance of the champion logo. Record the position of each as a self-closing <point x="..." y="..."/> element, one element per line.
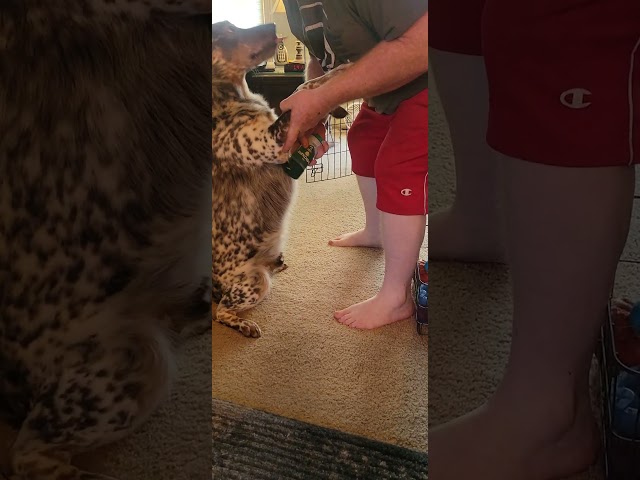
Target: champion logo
<point x="575" y="98"/>
<point x="406" y="192"/>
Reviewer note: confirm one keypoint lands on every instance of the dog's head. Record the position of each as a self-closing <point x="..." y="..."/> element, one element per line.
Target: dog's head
<point x="236" y="50"/>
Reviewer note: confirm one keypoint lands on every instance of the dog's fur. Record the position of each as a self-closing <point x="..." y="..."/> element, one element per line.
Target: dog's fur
<point x="251" y="192"/>
<point x="104" y="216"/>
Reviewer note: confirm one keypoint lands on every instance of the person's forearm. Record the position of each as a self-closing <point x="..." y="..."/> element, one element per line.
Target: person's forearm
<point x="389" y="65"/>
<point x="314" y="69"/>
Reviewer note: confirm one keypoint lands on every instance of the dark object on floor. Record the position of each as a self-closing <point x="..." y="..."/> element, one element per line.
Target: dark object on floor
<point x="620" y="412"/>
<point x="250" y="444"/>
<point x="420" y="296"/>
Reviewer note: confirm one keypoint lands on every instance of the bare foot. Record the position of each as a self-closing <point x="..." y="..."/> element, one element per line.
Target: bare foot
<point x="378" y="311"/>
<point x="453" y="237"/>
<point x="361" y="238"/>
<point x="504" y="443"/>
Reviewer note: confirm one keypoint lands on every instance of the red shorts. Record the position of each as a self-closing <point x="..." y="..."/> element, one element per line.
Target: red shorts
<point x="564" y="75"/>
<point x="394" y="150"/>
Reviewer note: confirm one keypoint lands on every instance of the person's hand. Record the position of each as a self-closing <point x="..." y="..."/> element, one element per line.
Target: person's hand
<point x="319" y="129"/>
<point x="308" y="109"/>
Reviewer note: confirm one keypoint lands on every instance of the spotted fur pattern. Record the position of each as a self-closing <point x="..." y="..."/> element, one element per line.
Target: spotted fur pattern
<point x="104" y="216"/>
<point x="251" y="192"/>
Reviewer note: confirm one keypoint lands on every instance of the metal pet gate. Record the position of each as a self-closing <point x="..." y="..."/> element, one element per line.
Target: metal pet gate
<point x="336" y="163"/>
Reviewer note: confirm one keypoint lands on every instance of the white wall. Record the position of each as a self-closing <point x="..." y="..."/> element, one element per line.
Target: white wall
<point x="282" y="27"/>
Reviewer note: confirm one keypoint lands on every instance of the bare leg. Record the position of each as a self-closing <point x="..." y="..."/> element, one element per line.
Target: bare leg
<point x="402" y="236"/>
<point x="566" y="229"/>
<point x="369" y="236"/>
<point x="469" y="230"/>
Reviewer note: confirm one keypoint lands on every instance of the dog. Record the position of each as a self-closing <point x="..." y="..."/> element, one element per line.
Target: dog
<point x="252" y="194"/>
<point x="105" y="227"/>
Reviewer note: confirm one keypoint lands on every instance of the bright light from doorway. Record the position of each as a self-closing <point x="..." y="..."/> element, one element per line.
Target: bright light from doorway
<point x="242" y="13"/>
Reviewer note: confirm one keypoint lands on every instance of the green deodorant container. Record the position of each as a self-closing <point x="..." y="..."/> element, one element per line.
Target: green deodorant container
<point x="302" y="157"/>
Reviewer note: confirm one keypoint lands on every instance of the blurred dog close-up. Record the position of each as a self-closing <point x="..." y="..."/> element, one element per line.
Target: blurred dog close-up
<point x="104" y="218"/>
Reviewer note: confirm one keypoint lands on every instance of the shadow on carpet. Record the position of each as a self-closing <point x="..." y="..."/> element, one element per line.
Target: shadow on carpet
<point x="253" y="445"/>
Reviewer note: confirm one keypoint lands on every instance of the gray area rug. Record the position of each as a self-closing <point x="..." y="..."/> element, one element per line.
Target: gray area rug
<point x="253" y="445"/>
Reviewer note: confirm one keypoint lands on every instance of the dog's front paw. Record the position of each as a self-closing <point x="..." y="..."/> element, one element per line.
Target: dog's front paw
<point x="279" y="265"/>
<point x="280" y="127"/>
<point x="282" y="157"/>
<point x="281" y="268"/>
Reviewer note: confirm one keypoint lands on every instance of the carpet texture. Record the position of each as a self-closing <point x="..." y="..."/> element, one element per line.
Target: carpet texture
<point x="309" y="367"/>
<point x="175" y="443"/>
<point x="470" y="305"/>
<point x="250" y="444"/>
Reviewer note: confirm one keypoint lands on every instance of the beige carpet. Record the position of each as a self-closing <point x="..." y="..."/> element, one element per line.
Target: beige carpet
<point x="470" y="305"/>
<point x="309" y="367"/>
<point x="175" y="444"/>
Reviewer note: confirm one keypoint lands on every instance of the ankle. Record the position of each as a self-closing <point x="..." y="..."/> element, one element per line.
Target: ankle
<point x="372" y="229"/>
<point x="396" y="293"/>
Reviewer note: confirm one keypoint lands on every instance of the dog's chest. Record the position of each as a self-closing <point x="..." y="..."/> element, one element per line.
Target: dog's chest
<point x="249" y="210"/>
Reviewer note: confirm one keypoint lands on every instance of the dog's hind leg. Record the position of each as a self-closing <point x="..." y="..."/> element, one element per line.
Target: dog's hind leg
<point x="248" y="290"/>
<point x="104" y="389"/>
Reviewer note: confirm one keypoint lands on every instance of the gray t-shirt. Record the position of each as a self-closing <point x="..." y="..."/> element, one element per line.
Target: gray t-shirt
<point x="341" y="31"/>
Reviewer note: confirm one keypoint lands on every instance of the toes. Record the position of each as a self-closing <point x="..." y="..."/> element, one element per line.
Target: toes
<point x="337" y="240"/>
<point x="348" y="320"/>
<point x="356" y="324"/>
<point x="340" y="313"/>
<point x="250" y="329"/>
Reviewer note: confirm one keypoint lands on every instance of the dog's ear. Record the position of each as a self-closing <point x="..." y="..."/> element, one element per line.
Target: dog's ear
<point x="221" y="29"/>
<point x="145" y="8"/>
